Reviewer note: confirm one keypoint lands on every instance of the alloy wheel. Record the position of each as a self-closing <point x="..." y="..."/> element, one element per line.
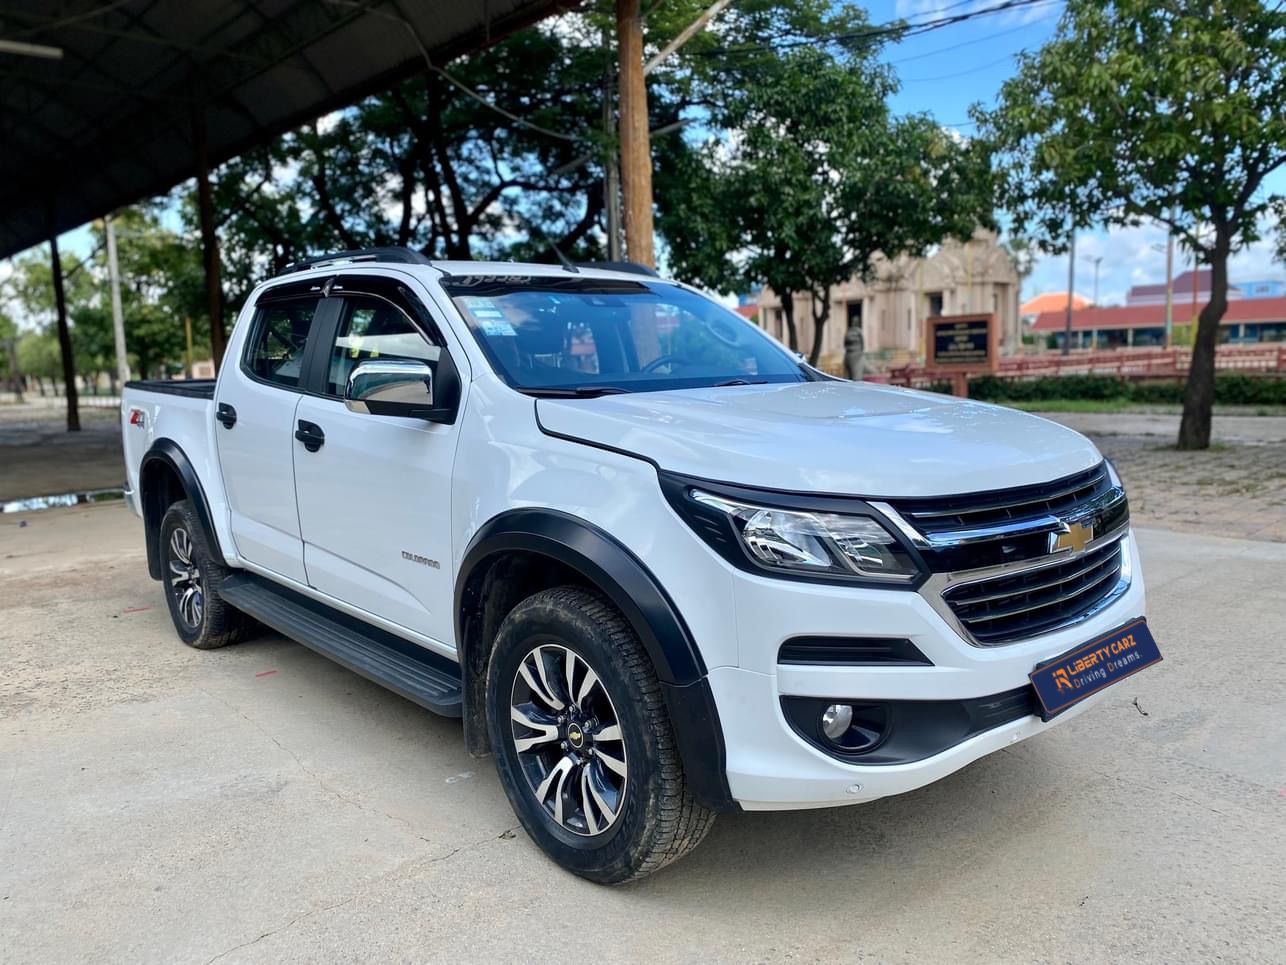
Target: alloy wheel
<point x="568" y="738"/>
<point x="185" y="579"/>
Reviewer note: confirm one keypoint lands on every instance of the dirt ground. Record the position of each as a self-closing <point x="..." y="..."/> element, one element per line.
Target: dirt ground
<point x="1235" y="488"/>
<point x="262" y="804"/>
<point x="39" y="457"/>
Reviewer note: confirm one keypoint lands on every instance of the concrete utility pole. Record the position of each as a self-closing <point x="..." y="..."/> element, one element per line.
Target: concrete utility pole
<point x="118" y="316"/>
<point x="1071" y="286"/>
<point x="636" y="145"/>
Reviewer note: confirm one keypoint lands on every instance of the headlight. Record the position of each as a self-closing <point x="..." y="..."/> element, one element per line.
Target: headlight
<point x="831" y="545"/>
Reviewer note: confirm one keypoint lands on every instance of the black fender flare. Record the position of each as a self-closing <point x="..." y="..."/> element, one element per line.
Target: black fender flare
<point x="605" y="563"/>
<point x="169" y="454"/>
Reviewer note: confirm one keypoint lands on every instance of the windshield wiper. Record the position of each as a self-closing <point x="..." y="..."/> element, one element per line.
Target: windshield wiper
<point x="720" y="385"/>
<point x="575" y="392"/>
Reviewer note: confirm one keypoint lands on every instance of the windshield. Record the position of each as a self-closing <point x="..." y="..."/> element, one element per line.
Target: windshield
<point x="590" y="336"/>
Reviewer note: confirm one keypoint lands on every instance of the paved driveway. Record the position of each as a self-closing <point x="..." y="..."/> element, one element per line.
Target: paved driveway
<point x="259" y="804"/>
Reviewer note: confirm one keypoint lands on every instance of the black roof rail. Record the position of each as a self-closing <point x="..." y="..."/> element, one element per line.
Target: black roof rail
<point x="632" y="267"/>
<point x="396" y="254"/>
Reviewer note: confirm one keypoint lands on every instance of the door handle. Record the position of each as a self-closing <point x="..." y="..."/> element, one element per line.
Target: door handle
<point x="310" y="434"/>
<point x="226" y="414"/>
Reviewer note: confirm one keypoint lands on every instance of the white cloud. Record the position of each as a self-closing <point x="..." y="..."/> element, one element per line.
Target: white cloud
<point x="1136" y="256"/>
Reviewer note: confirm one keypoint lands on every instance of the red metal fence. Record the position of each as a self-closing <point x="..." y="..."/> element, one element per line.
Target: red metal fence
<point x="1124" y="363"/>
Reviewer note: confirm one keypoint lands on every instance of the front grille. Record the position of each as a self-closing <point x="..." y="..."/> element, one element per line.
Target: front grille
<point x="1013" y="606"/>
<point x="977" y="510"/>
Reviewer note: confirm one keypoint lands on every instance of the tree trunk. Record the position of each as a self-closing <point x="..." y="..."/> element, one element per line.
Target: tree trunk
<point x="1199" y="395"/>
<point x="788" y="313"/>
<point x="209" y="243"/>
<point x="819" y="325"/>
<point x="64" y="338"/>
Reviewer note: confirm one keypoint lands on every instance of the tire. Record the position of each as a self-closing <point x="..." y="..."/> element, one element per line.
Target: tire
<point x="620" y="809"/>
<point x="191" y="577"/>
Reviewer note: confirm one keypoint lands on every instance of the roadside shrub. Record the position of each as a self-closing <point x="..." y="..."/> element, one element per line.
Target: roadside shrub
<point x="1231" y="388"/>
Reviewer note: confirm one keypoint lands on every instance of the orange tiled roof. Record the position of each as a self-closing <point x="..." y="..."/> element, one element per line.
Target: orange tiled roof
<point x="1052" y="302"/>
<point x="1151" y="316"/>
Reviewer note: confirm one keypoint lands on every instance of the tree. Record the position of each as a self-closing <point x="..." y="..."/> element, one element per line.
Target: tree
<point x="38" y="357"/>
<point x="161" y="285"/>
<point x="427" y="164"/>
<point x="807" y="176"/>
<point x="1168" y="110"/>
<point x="9" y="354"/>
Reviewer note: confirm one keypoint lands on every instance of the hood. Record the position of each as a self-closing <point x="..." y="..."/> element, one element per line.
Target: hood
<point x="840" y="438"/>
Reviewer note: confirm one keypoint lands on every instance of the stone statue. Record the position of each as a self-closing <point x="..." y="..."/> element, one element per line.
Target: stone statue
<point x="854" y="345"/>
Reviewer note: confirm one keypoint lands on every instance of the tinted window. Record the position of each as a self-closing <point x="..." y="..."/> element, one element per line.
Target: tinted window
<point x="371" y="328"/>
<point x="276" y="350"/>
<point x="570" y="335"/>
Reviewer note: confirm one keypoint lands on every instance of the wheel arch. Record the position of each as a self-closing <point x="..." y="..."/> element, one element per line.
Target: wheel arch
<point x="166" y="476"/>
<point x="523" y="551"/>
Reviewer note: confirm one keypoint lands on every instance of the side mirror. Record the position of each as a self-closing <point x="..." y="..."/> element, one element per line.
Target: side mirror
<point x="393" y="387"/>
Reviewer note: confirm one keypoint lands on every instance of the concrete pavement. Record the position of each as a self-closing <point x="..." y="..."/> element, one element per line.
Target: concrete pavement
<point x="259" y="804"/>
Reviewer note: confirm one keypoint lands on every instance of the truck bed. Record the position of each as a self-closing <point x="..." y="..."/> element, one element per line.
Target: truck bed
<point x="189" y="388"/>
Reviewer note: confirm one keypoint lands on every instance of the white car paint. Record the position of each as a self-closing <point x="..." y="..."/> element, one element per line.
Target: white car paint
<point x="846" y="438"/>
<point x="388" y="485"/>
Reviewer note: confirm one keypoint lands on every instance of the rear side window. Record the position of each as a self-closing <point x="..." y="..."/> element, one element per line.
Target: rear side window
<point x="371" y="328"/>
<point x="276" y="350"/>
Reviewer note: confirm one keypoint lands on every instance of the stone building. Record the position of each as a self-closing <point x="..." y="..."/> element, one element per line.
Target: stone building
<point x="956" y="279"/>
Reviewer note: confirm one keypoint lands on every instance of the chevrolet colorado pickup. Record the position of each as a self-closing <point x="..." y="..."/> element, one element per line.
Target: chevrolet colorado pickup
<point x="660" y="567"/>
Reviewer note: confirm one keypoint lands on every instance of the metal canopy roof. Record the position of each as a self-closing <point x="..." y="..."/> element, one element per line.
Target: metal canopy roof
<point x="114" y="120"/>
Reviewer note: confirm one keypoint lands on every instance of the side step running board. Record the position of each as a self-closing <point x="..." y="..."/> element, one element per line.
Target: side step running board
<point x="419" y="675"/>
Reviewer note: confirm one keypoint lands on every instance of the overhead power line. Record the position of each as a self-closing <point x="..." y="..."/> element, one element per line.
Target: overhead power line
<point x="898" y="29"/>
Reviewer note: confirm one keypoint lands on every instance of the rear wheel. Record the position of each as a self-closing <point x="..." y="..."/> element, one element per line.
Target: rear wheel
<point x="192" y="577"/>
<point x="582" y="740"/>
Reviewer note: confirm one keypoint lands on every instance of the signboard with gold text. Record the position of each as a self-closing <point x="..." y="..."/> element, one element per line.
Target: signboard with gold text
<point x="964" y="342"/>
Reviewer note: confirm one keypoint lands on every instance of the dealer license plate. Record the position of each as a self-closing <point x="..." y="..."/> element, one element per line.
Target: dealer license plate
<point x="1091" y="667"/>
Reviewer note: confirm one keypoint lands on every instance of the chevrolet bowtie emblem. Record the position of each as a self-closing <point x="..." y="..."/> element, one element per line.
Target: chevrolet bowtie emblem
<point x="1072" y="536"/>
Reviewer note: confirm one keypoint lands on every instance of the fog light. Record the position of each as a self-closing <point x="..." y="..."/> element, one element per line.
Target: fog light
<point x="836" y="720"/>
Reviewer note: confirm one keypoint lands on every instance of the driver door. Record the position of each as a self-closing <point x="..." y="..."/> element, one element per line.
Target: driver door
<point x="375" y="496"/>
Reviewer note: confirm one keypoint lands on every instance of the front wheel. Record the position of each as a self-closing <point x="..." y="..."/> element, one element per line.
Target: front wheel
<point x="582" y="740"/>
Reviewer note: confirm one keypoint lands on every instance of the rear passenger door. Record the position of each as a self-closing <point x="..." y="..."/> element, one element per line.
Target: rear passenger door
<point x="255" y="425"/>
<point x="375" y="496"/>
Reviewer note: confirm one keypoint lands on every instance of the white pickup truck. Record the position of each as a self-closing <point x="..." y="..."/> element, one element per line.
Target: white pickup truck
<point x="661" y="568"/>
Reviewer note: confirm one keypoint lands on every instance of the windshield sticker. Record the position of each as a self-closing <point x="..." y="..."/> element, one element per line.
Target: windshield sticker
<point x="476" y="302"/>
<point x="486" y="313"/>
<point x="494" y="329"/>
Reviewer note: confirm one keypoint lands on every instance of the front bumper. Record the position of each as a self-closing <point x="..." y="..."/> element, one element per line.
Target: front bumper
<point x="770" y="766"/>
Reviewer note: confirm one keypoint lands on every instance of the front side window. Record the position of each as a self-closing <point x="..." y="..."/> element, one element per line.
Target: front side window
<point x="371" y="328"/>
<point x="275" y="352"/>
<point x="581" y="336"/>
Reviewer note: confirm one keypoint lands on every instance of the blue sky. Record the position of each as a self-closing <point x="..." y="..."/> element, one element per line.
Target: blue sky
<point x="946" y="70"/>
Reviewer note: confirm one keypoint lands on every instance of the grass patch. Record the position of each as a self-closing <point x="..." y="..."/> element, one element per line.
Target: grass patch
<point x="1092" y="405"/>
<point x="1136" y="408"/>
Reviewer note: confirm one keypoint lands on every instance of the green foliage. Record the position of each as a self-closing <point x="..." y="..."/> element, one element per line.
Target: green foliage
<point x="38" y="355"/>
<point x="427" y="165"/>
<point x="1138" y="109"/>
<point x="1231" y="388"/>
<point x="806" y="175"/>
<point x="161" y="284"/>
